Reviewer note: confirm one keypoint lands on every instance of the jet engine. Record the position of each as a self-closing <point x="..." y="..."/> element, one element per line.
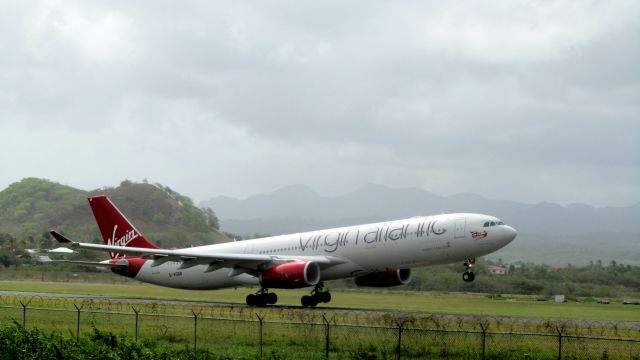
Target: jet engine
<point x="291" y="275"/>
<point x="389" y="277"/>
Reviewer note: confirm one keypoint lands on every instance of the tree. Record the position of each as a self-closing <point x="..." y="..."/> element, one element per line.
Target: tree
<point x="6" y="239"/>
<point x="212" y="219"/>
<point x="7" y="258"/>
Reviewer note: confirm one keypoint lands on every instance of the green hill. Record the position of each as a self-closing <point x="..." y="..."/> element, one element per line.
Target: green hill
<point x="31" y="207"/>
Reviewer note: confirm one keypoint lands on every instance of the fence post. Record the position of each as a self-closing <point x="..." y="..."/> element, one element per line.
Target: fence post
<point x="136" y="311"/>
<point x="260" y="328"/>
<point x="195" y="330"/>
<point x="24" y="312"/>
<point x="400" y="329"/>
<point x="326" y="337"/>
<point x="484" y="338"/>
<point x="78" y="321"/>
<point x="559" y="343"/>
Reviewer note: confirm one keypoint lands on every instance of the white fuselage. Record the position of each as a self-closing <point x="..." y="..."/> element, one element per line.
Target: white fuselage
<point x="361" y="249"/>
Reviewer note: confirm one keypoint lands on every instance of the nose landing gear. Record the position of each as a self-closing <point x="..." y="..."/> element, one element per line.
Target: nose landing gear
<point x="468" y="275"/>
<point x="317" y="296"/>
<point x="262" y="298"/>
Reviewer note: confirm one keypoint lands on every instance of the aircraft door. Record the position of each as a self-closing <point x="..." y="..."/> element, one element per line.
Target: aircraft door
<point x="461" y="228"/>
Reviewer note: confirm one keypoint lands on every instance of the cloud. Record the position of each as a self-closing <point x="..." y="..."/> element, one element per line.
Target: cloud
<point x="519" y="100"/>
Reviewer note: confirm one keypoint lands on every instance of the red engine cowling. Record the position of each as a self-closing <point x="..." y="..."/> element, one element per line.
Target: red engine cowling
<point x="390" y="277"/>
<point x="291" y="275"/>
<point x="128" y="266"/>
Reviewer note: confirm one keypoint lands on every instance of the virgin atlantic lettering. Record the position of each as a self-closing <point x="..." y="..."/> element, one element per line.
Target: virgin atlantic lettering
<point x="333" y="240"/>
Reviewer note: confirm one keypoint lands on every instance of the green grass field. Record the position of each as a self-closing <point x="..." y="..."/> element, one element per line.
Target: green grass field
<point x="419" y="302"/>
<point x="297" y="333"/>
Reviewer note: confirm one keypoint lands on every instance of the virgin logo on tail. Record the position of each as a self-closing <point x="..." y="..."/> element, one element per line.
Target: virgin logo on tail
<point x="123" y="241"/>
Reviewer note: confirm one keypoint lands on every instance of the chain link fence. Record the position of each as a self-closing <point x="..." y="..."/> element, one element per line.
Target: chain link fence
<point x="242" y="332"/>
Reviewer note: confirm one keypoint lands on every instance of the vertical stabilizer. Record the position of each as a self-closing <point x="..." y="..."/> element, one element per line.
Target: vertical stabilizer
<point x="116" y="230"/>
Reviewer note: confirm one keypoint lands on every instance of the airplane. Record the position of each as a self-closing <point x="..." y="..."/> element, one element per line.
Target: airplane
<point x="376" y="255"/>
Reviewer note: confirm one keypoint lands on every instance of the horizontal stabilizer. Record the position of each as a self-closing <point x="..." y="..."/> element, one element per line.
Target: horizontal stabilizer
<point x="61" y="250"/>
<point x="47" y="260"/>
<point x="60" y="238"/>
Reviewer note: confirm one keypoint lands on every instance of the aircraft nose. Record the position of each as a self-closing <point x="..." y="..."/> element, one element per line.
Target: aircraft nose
<point x="510" y="233"/>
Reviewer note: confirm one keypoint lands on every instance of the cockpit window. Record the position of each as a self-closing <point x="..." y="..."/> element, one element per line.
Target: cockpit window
<point x="492" y="223"/>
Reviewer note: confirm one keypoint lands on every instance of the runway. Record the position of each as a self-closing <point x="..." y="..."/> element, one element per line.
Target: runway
<point x="337" y="311"/>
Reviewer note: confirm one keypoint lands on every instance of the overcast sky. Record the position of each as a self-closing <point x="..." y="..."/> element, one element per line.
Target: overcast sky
<point x="522" y="100"/>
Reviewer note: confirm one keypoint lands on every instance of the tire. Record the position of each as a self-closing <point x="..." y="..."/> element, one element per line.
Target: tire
<point x="325" y="297"/>
<point x="261" y="300"/>
<point x="468" y="276"/>
<point x="308" y="301"/>
<point x="251" y="300"/>
<point x="272" y="298"/>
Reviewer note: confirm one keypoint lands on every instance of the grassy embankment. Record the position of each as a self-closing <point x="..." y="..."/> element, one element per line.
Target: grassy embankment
<point x="291" y="332"/>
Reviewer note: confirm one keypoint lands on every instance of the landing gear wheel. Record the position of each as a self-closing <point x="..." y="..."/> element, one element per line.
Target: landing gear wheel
<point x="262" y="298"/>
<point x="251" y="300"/>
<point x="272" y="298"/>
<point x="325" y="296"/>
<point x="468" y="276"/>
<point x="308" y="301"/>
<point x="317" y="296"/>
<point x="321" y="297"/>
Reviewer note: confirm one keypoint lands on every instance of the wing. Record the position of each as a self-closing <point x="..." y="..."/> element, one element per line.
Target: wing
<point x="240" y="261"/>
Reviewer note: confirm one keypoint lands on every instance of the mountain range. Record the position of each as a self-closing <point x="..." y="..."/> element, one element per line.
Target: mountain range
<point x="548" y="233"/>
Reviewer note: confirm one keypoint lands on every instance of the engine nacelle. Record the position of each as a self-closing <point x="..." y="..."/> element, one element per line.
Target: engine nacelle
<point x="291" y="275"/>
<point x="390" y="277"/>
<point x="127" y="266"/>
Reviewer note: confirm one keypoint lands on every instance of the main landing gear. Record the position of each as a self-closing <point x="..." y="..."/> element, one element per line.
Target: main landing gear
<point x="317" y="296"/>
<point x="468" y="275"/>
<point x="262" y="298"/>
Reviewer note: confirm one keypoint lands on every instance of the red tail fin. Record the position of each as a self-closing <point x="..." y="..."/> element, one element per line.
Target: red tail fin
<point x="115" y="228"/>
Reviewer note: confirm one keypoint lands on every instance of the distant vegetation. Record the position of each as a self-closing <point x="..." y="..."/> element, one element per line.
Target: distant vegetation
<point x="31" y="207"/>
<point x="595" y="280"/>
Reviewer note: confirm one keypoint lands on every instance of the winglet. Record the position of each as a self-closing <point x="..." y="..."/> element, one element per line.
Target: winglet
<point x="60" y="238"/>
